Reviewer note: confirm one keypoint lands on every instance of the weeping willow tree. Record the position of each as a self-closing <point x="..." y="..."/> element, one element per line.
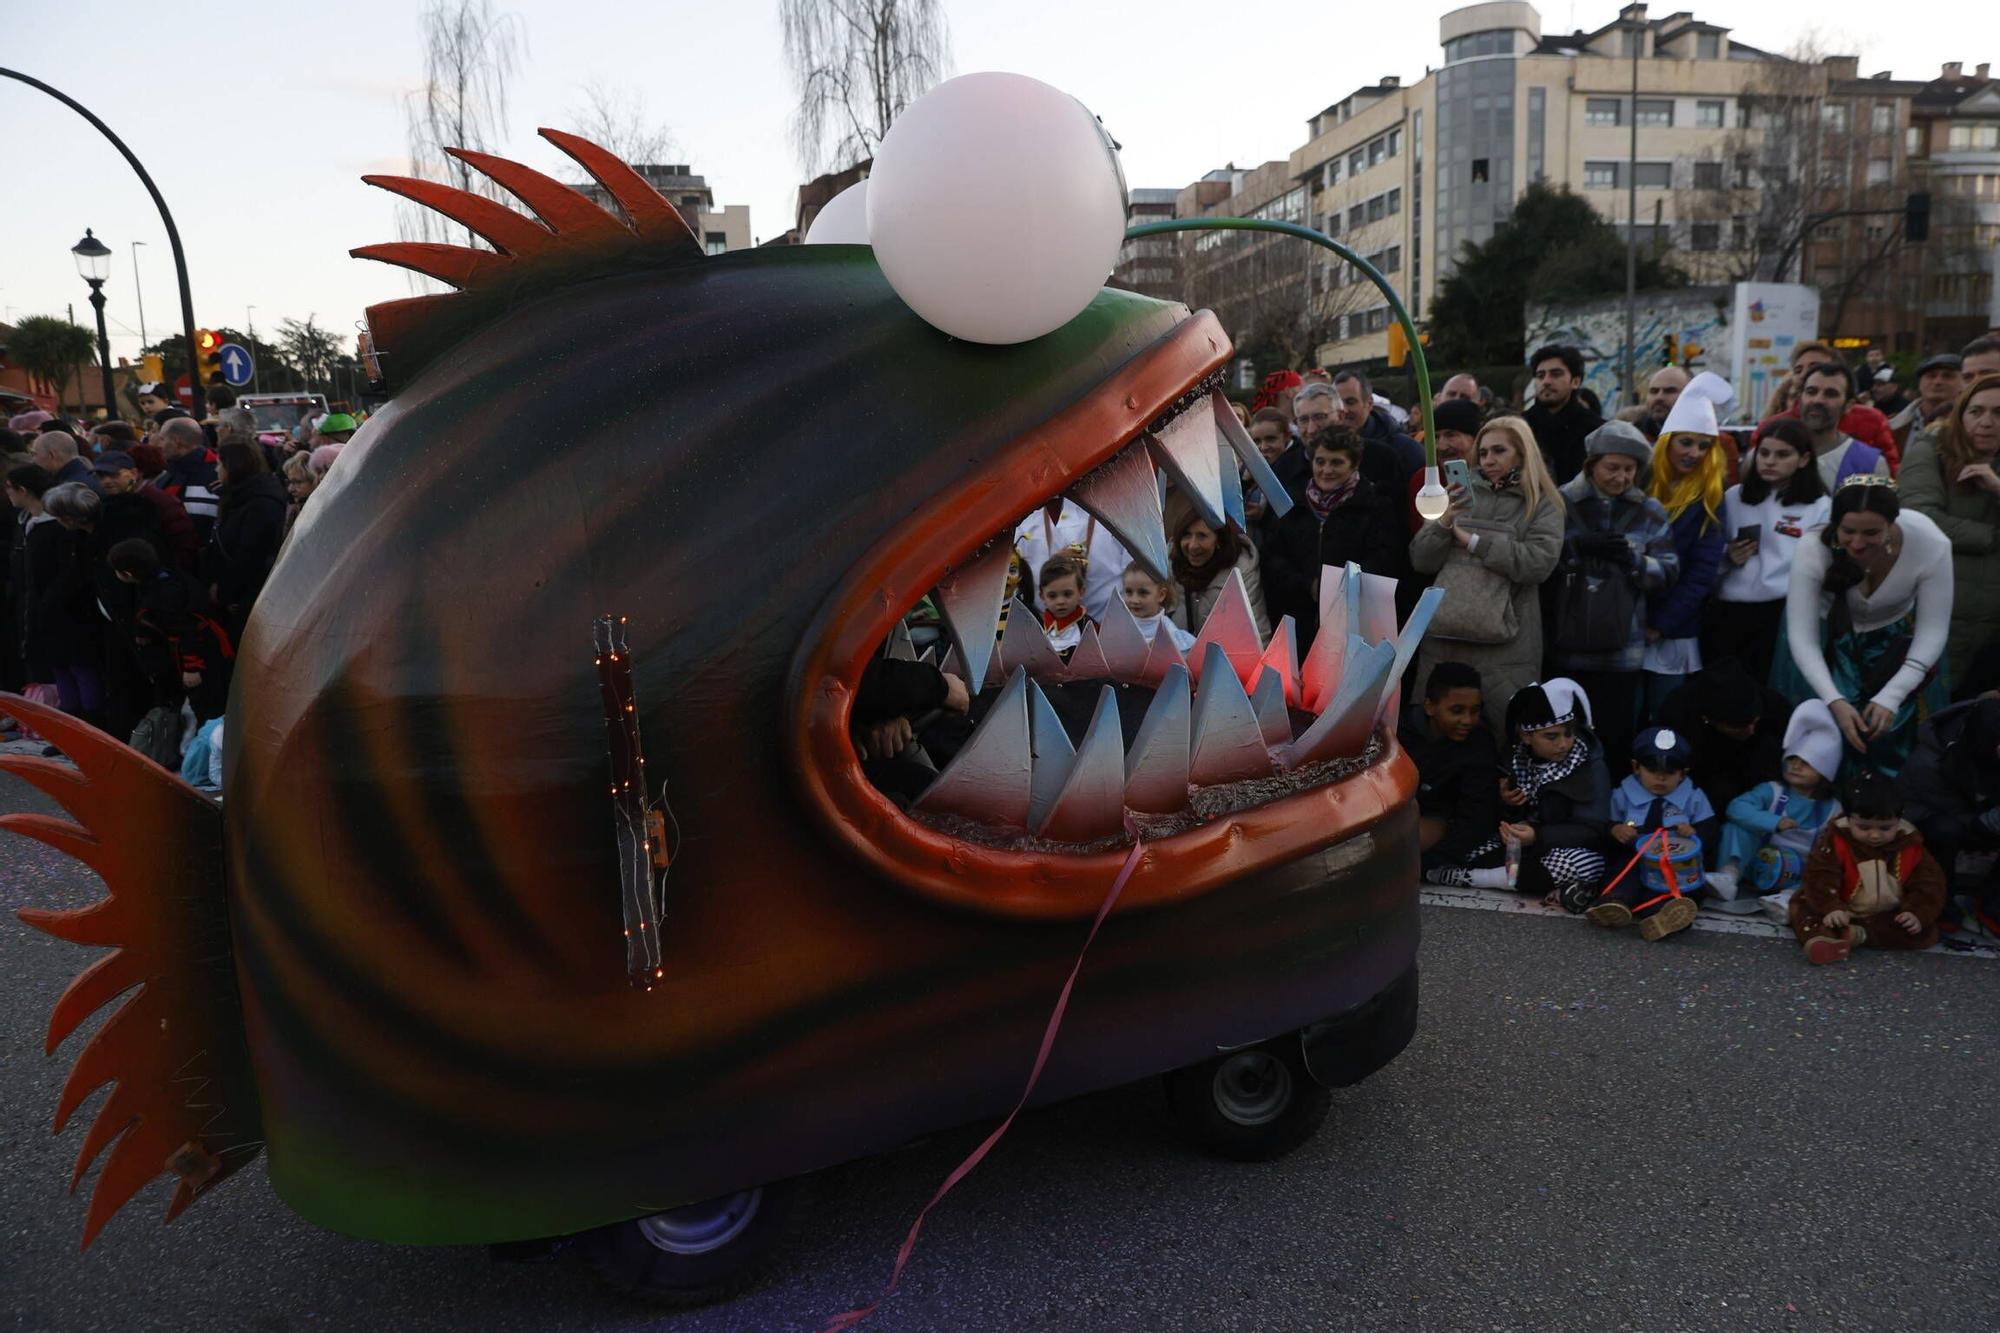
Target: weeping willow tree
<point x="470" y="53"/>
<point x="855" y="65"/>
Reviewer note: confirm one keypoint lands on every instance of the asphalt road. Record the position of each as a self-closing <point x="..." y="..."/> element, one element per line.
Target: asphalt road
<point x="1588" y="1133"/>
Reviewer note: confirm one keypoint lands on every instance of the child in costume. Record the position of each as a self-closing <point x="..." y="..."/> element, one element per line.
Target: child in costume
<point x="1063" y="617"/>
<point x="1869" y="881"/>
<point x="1149" y="601"/>
<point x="1658" y="798"/>
<point x="1458" y="806"/>
<point x="1555" y="803"/>
<point x="1774" y="818"/>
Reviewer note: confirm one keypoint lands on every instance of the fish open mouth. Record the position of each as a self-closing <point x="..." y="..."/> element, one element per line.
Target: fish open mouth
<point x="1232" y="756"/>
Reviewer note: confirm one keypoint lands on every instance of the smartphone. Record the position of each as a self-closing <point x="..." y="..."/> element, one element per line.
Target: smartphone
<point x="1750" y="532"/>
<point x="1457" y="472"/>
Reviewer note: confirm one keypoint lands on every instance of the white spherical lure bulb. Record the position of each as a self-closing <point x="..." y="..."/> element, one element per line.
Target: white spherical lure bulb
<point x="996" y="207"/>
<point x="844" y="220"/>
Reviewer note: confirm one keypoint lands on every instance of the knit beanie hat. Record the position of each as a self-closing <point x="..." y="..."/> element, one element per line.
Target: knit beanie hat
<point x="1459" y="414"/>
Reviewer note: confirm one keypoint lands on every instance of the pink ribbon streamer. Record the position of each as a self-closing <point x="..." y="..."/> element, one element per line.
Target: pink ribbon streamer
<point x="964" y="1168"/>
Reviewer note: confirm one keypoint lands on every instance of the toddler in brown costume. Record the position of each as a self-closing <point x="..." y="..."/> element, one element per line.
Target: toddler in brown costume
<point x="1869" y="880"/>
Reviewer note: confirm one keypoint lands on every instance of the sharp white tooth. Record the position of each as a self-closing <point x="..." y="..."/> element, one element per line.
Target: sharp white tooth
<point x="1378" y="608"/>
<point x="1232" y="487"/>
<point x="990" y="778"/>
<point x="929" y="656"/>
<point x="1339" y="615"/>
<point x="1281" y="663"/>
<point x="1052" y="754"/>
<point x="1156" y="772"/>
<point x="1185" y="447"/>
<point x="1342" y="730"/>
<point x="951" y="666"/>
<point x="1124" y="496"/>
<point x="1026" y="645"/>
<point x="969" y="599"/>
<point x="901" y="647"/>
<point x="1407" y="640"/>
<point x="1091" y="804"/>
<point x="1087" y="662"/>
<point x="1227" y="745"/>
<point x="1239" y="440"/>
<point x="1122" y="643"/>
<point x="1340" y="598"/>
<point x="1231" y="627"/>
<point x="1163" y="656"/>
<point x="1267" y="701"/>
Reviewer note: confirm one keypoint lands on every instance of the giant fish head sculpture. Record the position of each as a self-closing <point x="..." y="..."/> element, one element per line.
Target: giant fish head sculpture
<point x="754" y="465"/>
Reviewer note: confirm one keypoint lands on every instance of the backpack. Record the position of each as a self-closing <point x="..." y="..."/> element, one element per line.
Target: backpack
<point x="158" y="737"/>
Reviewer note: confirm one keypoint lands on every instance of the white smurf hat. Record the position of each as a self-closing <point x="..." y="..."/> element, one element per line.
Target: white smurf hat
<point x="1814" y="736"/>
<point x="1694" y="411"/>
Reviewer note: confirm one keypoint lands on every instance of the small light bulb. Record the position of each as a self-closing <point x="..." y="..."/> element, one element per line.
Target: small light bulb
<point x="1432" y="498"/>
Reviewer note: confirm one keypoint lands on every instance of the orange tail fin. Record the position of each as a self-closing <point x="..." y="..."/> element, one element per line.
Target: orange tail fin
<point x="183" y="1101"/>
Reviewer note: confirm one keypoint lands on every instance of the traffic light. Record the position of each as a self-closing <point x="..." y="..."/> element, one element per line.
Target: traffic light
<point x="207" y="356"/>
<point x="152" y="368"/>
<point x="1670" y="350"/>
<point x="1917" y="217"/>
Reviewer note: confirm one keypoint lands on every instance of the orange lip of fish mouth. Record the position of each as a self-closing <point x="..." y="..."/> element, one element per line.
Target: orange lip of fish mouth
<point x="1018" y="826"/>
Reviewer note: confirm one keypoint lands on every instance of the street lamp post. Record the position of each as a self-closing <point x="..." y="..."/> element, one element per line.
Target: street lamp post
<point x="139" y="292"/>
<point x="93" y="263"/>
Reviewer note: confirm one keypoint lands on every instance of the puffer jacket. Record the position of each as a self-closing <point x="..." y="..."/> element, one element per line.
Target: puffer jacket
<point x="1698" y="543"/>
<point x="1642" y="522"/>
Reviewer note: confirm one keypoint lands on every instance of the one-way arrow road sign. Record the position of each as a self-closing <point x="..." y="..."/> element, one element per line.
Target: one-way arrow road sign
<point x="236" y="364"/>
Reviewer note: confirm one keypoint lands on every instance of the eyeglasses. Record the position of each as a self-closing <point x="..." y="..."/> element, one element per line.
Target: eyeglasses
<point x="1305" y="418"/>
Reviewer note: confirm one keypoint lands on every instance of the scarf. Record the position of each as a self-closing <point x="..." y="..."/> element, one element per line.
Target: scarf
<point x="1324" y="502"/>
<point x="1052" y="623"/>
<point x="1507" y="483"/>
<point x="1531" y="774"/>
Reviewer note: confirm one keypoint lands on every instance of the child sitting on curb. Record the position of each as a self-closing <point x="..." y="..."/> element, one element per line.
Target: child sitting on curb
<point x="1869" y="880"/>
<point x="1775" y="818"/>
<point x="1555" y="803"/>
<point x="1457" y="805"/>
<point x="1658" y="798"/>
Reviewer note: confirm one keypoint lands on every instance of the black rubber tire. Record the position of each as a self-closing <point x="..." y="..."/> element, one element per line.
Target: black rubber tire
<point x="642" y="1259"/>
<point x="1251" y="1105"/>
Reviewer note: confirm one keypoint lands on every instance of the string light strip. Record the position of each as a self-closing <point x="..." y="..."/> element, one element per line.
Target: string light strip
<point x="640" y="848"/>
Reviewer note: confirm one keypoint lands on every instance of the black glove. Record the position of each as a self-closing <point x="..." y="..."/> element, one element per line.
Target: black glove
<point x="1606" y="546"/>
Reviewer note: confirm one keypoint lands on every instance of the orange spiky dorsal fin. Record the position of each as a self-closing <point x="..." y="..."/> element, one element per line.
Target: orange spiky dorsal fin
<point x="570" y="236"/>
<point x="183" y="1102"/>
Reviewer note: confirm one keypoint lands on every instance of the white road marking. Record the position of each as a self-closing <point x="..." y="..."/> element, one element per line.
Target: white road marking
<point x="1499" y="900"/>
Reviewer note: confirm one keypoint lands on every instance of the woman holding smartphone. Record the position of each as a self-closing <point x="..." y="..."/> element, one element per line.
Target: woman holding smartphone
<point x="1765" y="518"/>
<point x="1491" y="552"/>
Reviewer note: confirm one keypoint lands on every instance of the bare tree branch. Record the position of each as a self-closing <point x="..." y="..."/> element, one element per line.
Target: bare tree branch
<point x="470" y="53"/>
<point x="622" y="122"/>
<point x="855" y="65"/>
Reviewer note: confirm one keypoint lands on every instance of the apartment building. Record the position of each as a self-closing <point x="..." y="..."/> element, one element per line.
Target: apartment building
<point x="721" y="227"/>
<point x="1955" y="139"/>
<point x="1150" y="265"/>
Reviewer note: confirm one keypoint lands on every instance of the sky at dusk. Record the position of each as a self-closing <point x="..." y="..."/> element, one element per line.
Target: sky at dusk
<point x="258" y="120"/>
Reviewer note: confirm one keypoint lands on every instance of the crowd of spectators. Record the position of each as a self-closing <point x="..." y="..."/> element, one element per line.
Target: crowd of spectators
<point x="134" y="555"/>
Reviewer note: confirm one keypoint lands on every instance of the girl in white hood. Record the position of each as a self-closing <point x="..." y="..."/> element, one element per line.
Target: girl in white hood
<point x="1763" y="520"/>
<point x="1149" y="601"/>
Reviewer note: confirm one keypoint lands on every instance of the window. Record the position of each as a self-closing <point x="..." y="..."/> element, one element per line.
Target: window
<point x="1878" y="170"/>
<point x="1357" y="161"/>
<point x="1392" y="259"/>
<point x="1705" y="236"/>
<point x="1378" y="319"/>
<point x="1331" y="224"/>
<point x="1377" y="150"/>
<point x="1973" y="137"/>
<point x="1710" y="115"/>
<point x="1708" y="175"/>
<point x="1833" y="115"/>
<point x="1655" y="113"/>
<point x="1378" y="208"/>
<point x="1708" y="46"/>
<point x="1395" y="201"/>
<point x="1600" y="175"/>
<point x="1653" y="175"/>
<point x="1739" y="233"/>
<point x="690" y="201"/>
<point x="1913" y="140"/>
<point x="1356" y="216"/>
<point x="1601" y="111"/>
<point x="1744" y="167"/>
<point x="717" y="243"/>
<point x="1481" y="172"/>
<point x="1881" y="118"/>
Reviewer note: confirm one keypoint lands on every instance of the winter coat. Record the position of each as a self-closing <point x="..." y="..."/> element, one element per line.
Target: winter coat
<point x="1191" y="609"/>
<point x="61" y="625"/>
<point x="173" y="635"/>
<point x="1364" y="529"/>
<point x="1876" y="883"/>
<point x="1456" y="782"/>
<point x="1951" y="790"/>
<point x="249" y="527"/>
<point x="191" y="479"/>
<point x="178" y="539"/>
<point x="1698" y="542"/>
<point x="1573" y="812"/>
<point x="1725" y="766"/>
<point x="1970" y="517"/>
<point x="1520" y="547"/>
<point x="1381" y="428"/>
<point x="1561" y="434"/>
<point x="74" y="470"/>
<point x="1642" y="522"/>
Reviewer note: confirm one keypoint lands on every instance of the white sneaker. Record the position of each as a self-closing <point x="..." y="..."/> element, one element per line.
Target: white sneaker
<point x="1723" y="882"/>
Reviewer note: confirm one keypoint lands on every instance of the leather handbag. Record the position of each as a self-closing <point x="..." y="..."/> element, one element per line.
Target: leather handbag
<point x="1478" y="605"/>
